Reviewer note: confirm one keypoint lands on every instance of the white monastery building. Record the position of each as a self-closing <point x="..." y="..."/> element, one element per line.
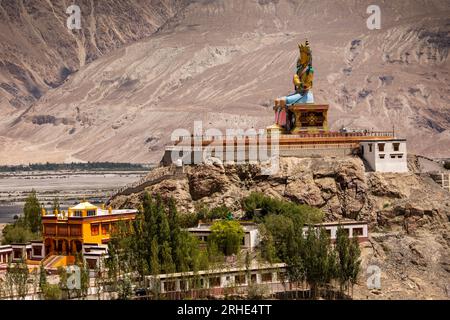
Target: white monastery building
<point x="385" y="156"/>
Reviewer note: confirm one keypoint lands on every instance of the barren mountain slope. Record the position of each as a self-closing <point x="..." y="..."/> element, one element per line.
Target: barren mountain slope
<point x="38" y="51"/>
<point x="223" y="62"/>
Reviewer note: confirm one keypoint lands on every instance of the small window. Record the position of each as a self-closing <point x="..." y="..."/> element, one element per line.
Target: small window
<point x="381" y="147"/>
<point x="357" y="232"/>
<point x="94" y="229"/>
<point x="396" y="146"/>
<point x="37" y="251"/>
<point x="169" y="286"/>
<point x="183" y="285"/>
<point x="253" y="278"/>
<point x="92" y="264"/>
<point x="91" y="213"/>
<point x="17" y="254"/>
<point x="77" y="213"/>
<point x="392" y="156"/>
<point x="400" y="156"/>
<point x="105" y="228"/>
<point x="214" y="282"/>
<point x="239" y="279"/>
<point x="266" y="277"/>
<point x="382" y="156"/>
<point x="370" y="147"/>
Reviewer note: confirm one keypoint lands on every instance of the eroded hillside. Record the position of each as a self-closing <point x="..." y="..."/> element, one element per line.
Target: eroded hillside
<point x="223" y="63"/>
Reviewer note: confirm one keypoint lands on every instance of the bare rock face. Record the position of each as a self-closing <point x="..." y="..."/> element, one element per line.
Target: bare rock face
<point x="412" y="267"/>
<point x="38" y="52"/>
<point x="340" y="187"/>
<point x="206" y="181"/>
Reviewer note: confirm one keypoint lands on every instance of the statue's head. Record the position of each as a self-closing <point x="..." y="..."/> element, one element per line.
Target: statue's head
<point x="305" y="55"/>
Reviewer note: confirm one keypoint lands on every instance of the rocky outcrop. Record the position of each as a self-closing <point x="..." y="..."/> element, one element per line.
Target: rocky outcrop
<point x="411" y="267"/>
<point x="340" y="187"/>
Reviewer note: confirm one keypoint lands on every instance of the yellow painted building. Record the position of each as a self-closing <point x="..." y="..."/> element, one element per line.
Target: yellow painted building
<point x="83" y="224"/>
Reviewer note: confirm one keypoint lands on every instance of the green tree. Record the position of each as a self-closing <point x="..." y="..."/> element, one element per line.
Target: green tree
<point x="279" y="234"/>
<point x="319" y="259"/>
<point x="63" y="277"/>
<point x="17" y="233"/>
<point x="52" y="292"/>
<point x="125" y="291"/>
<point x="155" y="266"/>
<point x="348" y="253"/>
<point x="32" y="212"/>
<point x="227" y="235"/>
<point x="257" y="205"/>
<point x="17" y="275"/>
<point x="268" y="249"/>
<point x="84" y="278"/>
<point x="166" y="258"/>
<point x="42" y="277"/>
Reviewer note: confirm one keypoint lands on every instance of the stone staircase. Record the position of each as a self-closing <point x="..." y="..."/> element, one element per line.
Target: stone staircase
<point x="53" y="262"/>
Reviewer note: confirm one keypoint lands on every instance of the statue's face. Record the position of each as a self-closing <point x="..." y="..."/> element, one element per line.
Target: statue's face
<point x="305" y="54"/>
<point x="304" y="57"/>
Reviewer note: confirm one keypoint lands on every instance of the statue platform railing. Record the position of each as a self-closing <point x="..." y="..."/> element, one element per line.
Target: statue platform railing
<point x="203" y="140"/>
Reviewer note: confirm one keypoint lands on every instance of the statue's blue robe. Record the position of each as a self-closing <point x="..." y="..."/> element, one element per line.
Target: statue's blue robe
<point x="298" y="98"/>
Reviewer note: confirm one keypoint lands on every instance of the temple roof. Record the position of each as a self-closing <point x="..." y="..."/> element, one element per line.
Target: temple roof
<point x="83" y="206"/>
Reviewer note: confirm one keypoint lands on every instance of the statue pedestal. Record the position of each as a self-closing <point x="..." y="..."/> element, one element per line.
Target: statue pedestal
<point x="309" y="118"/>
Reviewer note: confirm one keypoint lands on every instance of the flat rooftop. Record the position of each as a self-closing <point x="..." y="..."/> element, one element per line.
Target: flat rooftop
<point x="206" y="227"/>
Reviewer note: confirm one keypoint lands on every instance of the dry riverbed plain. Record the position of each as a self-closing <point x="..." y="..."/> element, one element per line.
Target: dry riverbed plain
<point x="69" y="186"/>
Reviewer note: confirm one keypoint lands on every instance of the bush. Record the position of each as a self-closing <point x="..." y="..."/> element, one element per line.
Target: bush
<point x="188" y="220"/>
<point x="267" y="205"/>
<point x="17" y="233"/>
<point x="447" y="165"/>
<point x="52" y="292"/>
<point x="227" y="235"/>
<point x="257" y="291"/>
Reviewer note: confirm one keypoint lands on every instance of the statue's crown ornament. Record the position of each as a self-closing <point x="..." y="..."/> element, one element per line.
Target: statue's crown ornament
<point x="304" y="48"/>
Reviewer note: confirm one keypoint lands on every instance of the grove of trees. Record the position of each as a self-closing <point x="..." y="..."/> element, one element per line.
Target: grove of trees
<point x="310" y="256"/>
<point x="154" y="243"/>
<point x="28" y="227"/>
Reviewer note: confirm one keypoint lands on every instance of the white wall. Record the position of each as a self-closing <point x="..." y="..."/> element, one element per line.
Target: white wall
<point x="254" y="238"/>
<point x="394" y="161"/>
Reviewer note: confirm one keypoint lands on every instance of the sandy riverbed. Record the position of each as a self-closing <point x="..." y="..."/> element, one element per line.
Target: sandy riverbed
<point x="69" y="187"/>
